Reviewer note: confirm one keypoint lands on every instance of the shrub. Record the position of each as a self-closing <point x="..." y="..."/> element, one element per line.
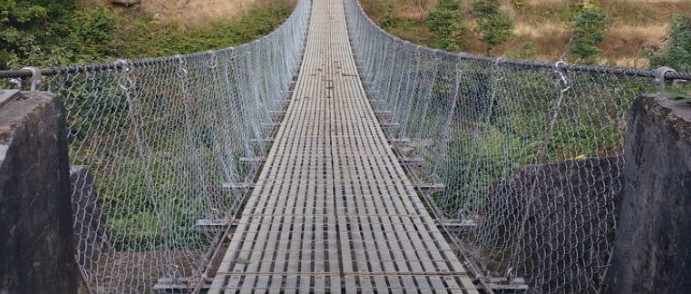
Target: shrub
<point x="588" y="30"/>
<point x="446" y="21"/>
<point x="526" y="51"/>
<point x="496" y="25"/>
<point x="677" y="53"/>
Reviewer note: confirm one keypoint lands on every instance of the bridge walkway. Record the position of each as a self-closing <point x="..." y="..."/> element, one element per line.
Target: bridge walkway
<point x="332" y="210"/>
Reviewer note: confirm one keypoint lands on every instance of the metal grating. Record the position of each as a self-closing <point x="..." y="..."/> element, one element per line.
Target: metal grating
<point x="332" y="210"/>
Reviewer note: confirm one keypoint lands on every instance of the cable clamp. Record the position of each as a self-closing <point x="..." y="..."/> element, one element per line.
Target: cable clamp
<point x="182" y="68"/>
<point x="35" y="78"/>
<point x="660" y="73"/>
<point x="213" y="60"/>
<point x="125" y="82"/>
<point x="562" y="81"/>
<point x="495" y="68"/>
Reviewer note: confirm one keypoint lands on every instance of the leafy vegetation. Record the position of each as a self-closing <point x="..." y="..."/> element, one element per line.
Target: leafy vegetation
<point x="634" y="27"/>
<point x="151" y="38"/>
<point x="49" y="33"/>
<point x="677" y="53"/>
<point x="588" y="31"/>
<point x="42" y="32"/>
<point x="446" y="21"/>
<point x="496" y="25"/>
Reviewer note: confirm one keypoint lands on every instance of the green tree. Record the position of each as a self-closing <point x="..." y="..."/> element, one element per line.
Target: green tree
<point x="16" y="20"/>
<point x="485" y="8"/>
<point x="677" y="53"/>
<point x="446" y="21"/>
<point x="494" y="23"/>
<point x="588" y="30"/>
<point x="45" y="32"/>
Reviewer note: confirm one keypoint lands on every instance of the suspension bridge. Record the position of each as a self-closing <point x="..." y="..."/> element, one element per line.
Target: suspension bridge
<point x="332" y="209"/>
<point x="330" y="156"/>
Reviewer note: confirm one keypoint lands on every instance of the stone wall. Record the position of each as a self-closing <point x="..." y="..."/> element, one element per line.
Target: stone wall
<point x="36" y="244"/>
<point x="652" y="251"/>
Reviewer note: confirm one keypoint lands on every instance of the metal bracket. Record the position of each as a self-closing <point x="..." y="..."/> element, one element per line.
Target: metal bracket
<point x="559" y="72"/>
<point x="399" y="140"/>
<point x="390" y="124"/>
<point x="660" y="77"/>
<point x="215" y="224"/>
<point x="35" y="79"/>
<point x="237" y="186"/>
<point x="125" y="82"/>
<point x="453" y="224"/>
<point x="174" y="285"/>
<point x="506" y="285"/>
<point x="252" y="160"/>
<point x="262" y="140"/>
<point x="213" y="60"/>
<point x="411" y="161"/>
<point x="429" y="188"/>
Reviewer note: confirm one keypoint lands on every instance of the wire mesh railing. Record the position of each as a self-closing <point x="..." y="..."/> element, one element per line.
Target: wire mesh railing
<point x="529" y="153"/>
<point x="161" y="149"/>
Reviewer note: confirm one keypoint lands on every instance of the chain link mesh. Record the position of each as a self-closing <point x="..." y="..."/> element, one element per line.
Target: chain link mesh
<point x="529" y="153"/>
<point x="158" y="151"/>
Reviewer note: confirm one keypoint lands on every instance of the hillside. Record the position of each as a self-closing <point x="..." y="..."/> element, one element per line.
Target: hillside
<point x="541" y="28"/>
<point x="168" y="27"/>
<point x="49" y="33"/>
<point x="196" y="13"/>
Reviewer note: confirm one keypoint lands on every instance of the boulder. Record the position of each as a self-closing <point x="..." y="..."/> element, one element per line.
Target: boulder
<point x="557" y="220"/>
<point x="652" y="252"/>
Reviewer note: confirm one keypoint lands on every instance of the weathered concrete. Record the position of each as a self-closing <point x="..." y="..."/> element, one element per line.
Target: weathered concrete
<point x="558" y="217"/>
<point x="36" y="245"/>
<point x="652" y="251"/>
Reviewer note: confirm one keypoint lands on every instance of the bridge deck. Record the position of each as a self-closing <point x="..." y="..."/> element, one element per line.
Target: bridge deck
<point x="332" y="209"/>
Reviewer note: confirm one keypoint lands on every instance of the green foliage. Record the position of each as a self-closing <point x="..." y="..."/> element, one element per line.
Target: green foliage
<point x="496" y="29"/>
<point x="145" y="38"/>
<point x="496" y="25"/>
<point x="527" y="51"/>
<point x="677" y="53"/>
<point x="588" y="31"/>
<point x="17" y="23"/>
<point x="446" y="21"/>
<point x="50" y="33"/>
<point x="45" y="33"/>
<point x="137" y="219"/>
<point x="94" y="32"/>
<point x="486" y="8"/>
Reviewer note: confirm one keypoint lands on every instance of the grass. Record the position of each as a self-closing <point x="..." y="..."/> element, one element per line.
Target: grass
<point x="144" y="33"/>
<point x="637" y="26"/>
<point x="197" y="13"/>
